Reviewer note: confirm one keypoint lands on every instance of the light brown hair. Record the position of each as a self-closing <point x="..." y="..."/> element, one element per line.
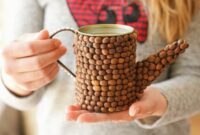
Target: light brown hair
<point x="170" y="18"/>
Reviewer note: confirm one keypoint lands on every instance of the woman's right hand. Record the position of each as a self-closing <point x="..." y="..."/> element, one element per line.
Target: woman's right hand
<point x="30" y="62"/>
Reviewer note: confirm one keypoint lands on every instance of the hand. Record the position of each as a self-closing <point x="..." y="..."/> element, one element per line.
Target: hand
<point x="152" y="103"/>
<point x="30" y="62"/>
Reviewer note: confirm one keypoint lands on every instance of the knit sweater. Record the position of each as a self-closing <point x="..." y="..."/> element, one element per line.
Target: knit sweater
<point x="180" y="83"/>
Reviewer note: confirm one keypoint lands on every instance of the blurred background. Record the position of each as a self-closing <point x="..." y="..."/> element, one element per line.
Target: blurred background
<point x="24" y="122"/>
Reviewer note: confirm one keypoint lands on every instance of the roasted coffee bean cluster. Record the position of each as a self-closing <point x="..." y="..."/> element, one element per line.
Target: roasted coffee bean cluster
<point x="108" y="79"/>
<point x="149" y="69"/>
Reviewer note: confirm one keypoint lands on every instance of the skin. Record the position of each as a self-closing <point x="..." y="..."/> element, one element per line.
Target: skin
<point x="29" y="63"/>
<point x="147" y="106"/>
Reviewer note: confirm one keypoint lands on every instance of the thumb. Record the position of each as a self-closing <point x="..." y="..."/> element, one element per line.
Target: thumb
<point x="43" y="34"/>
<point x="141" y="108"/>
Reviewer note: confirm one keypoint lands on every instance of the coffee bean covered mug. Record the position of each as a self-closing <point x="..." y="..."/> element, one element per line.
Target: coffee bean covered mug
<point x="108" y="78"/>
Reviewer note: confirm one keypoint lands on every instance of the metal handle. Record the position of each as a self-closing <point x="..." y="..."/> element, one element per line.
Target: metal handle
<point x="66" y="69"/>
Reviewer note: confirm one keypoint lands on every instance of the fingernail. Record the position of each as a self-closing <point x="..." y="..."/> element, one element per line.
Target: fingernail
<point x="57" y="43"/>
<point x="63" y="48"/>
<point x="134" y="112"/>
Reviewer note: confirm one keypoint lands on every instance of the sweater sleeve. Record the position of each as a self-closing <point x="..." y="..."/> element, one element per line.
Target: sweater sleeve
<point x="21" y="16"/>
<point x="182" y="89"/>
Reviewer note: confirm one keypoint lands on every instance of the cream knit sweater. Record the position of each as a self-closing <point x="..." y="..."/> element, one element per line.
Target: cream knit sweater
<point x="180" y="83"/>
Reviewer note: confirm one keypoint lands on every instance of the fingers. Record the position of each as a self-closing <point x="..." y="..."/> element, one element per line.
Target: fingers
<point x="35" y="85"/>
<point x="99" y="117"/>
<point x="73" y="111"/>
<point x="73" y="108"/>
<point x="35" y="63"/>
<point x="24" y="49"/>
<point x="35" y="75"/>
<point x="43" y="34"/>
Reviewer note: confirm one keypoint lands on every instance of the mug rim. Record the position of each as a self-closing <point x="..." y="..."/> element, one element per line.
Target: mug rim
<point x="128" y="29"/>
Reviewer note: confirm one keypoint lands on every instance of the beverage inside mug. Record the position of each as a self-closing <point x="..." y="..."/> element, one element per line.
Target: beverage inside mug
<point x="108" y="78"/>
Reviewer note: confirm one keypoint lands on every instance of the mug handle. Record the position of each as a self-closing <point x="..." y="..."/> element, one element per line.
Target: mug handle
<point x="66" y="69"/>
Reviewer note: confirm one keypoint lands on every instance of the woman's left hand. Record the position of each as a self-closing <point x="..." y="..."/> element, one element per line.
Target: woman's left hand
<point x="152" y="103"/>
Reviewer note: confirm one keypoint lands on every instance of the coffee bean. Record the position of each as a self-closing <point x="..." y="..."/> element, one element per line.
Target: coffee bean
<point x="99" y="103"/>
<point x="99" y="77"/>
<point x="112" y="82"/>
<point x="117" y="93"/>
<point x="116" y="76"/>
<point x="170" y="52"/>
<point x="99" y="62"/>
<point x="105" y="52"/>
<point x="120" y="103"/>
<point x="90" y="88"/>
<point x="152" y="66"/>
<point x="106" y="61"/>
<point x="157" y="73"/>
<point x="96" y="88"/>
<point x="103" y="93"/>
<point x="111" y="51"/>
<point x="95" y="82"/>
<point x="103" y="46"/>
<point x="102" y="72"/>
<point x="83" y="106"/>
<point x="110" y="99"/>
<point x="115" y="72"/>
<point x="119" y="49"/>
<point x="112" y="88"/>
<point x="91" y="50"/>
<point x="110" y="45"/>
<point x="91" y="39"/>
<point x="151" y="58"/>
<point x="92" y="103"/>
<point x="113" y="66"/>
<point x="104" y="110"/>
<point x="170" y="59"/>
<point x="90" y="93"/>
<point x="117" y="55"/>
<point x="119" y="81"/>
<point x="121" y="60"/>
<point x="105" y="40"/>
<point x="162" y="54"/>
<point x="98" y="67"/>
<point x="111" y="109"/>
<point x="104" y="83"/>
<point x="103" y="99"/>
<point x="97" y="108"/>
<point x="110" y="93"/>
<point x="86" y="49"/>
<point x="126" y="37"/>
<point x="96" y="45"/>
<point x="97" y="39"/>
<point x="119" y="39"/>
<point x="177" y="50"/>
<point x="97" y="93"/>
<point x="119" y="87"/>
<point x="157" y="60"/>
<point x="103" y="57"/>
<point x="172" y="46"/>
<point x="107" y="104"/>
<point x="109" y="71"/>
<point x="94" y="72"/>
<point x="164" y="61"/>
<point x="96" y="57"/>
<point x="105" y="67"/>
<point x="159" y="67"/>
<point x="104" y="88"/>
<point x="110" y="56"/>
<point x="120" y="66"/>
<point x="112" y="39"/>
<point x="184" y="46"/>
<point x="151" y="78"/>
